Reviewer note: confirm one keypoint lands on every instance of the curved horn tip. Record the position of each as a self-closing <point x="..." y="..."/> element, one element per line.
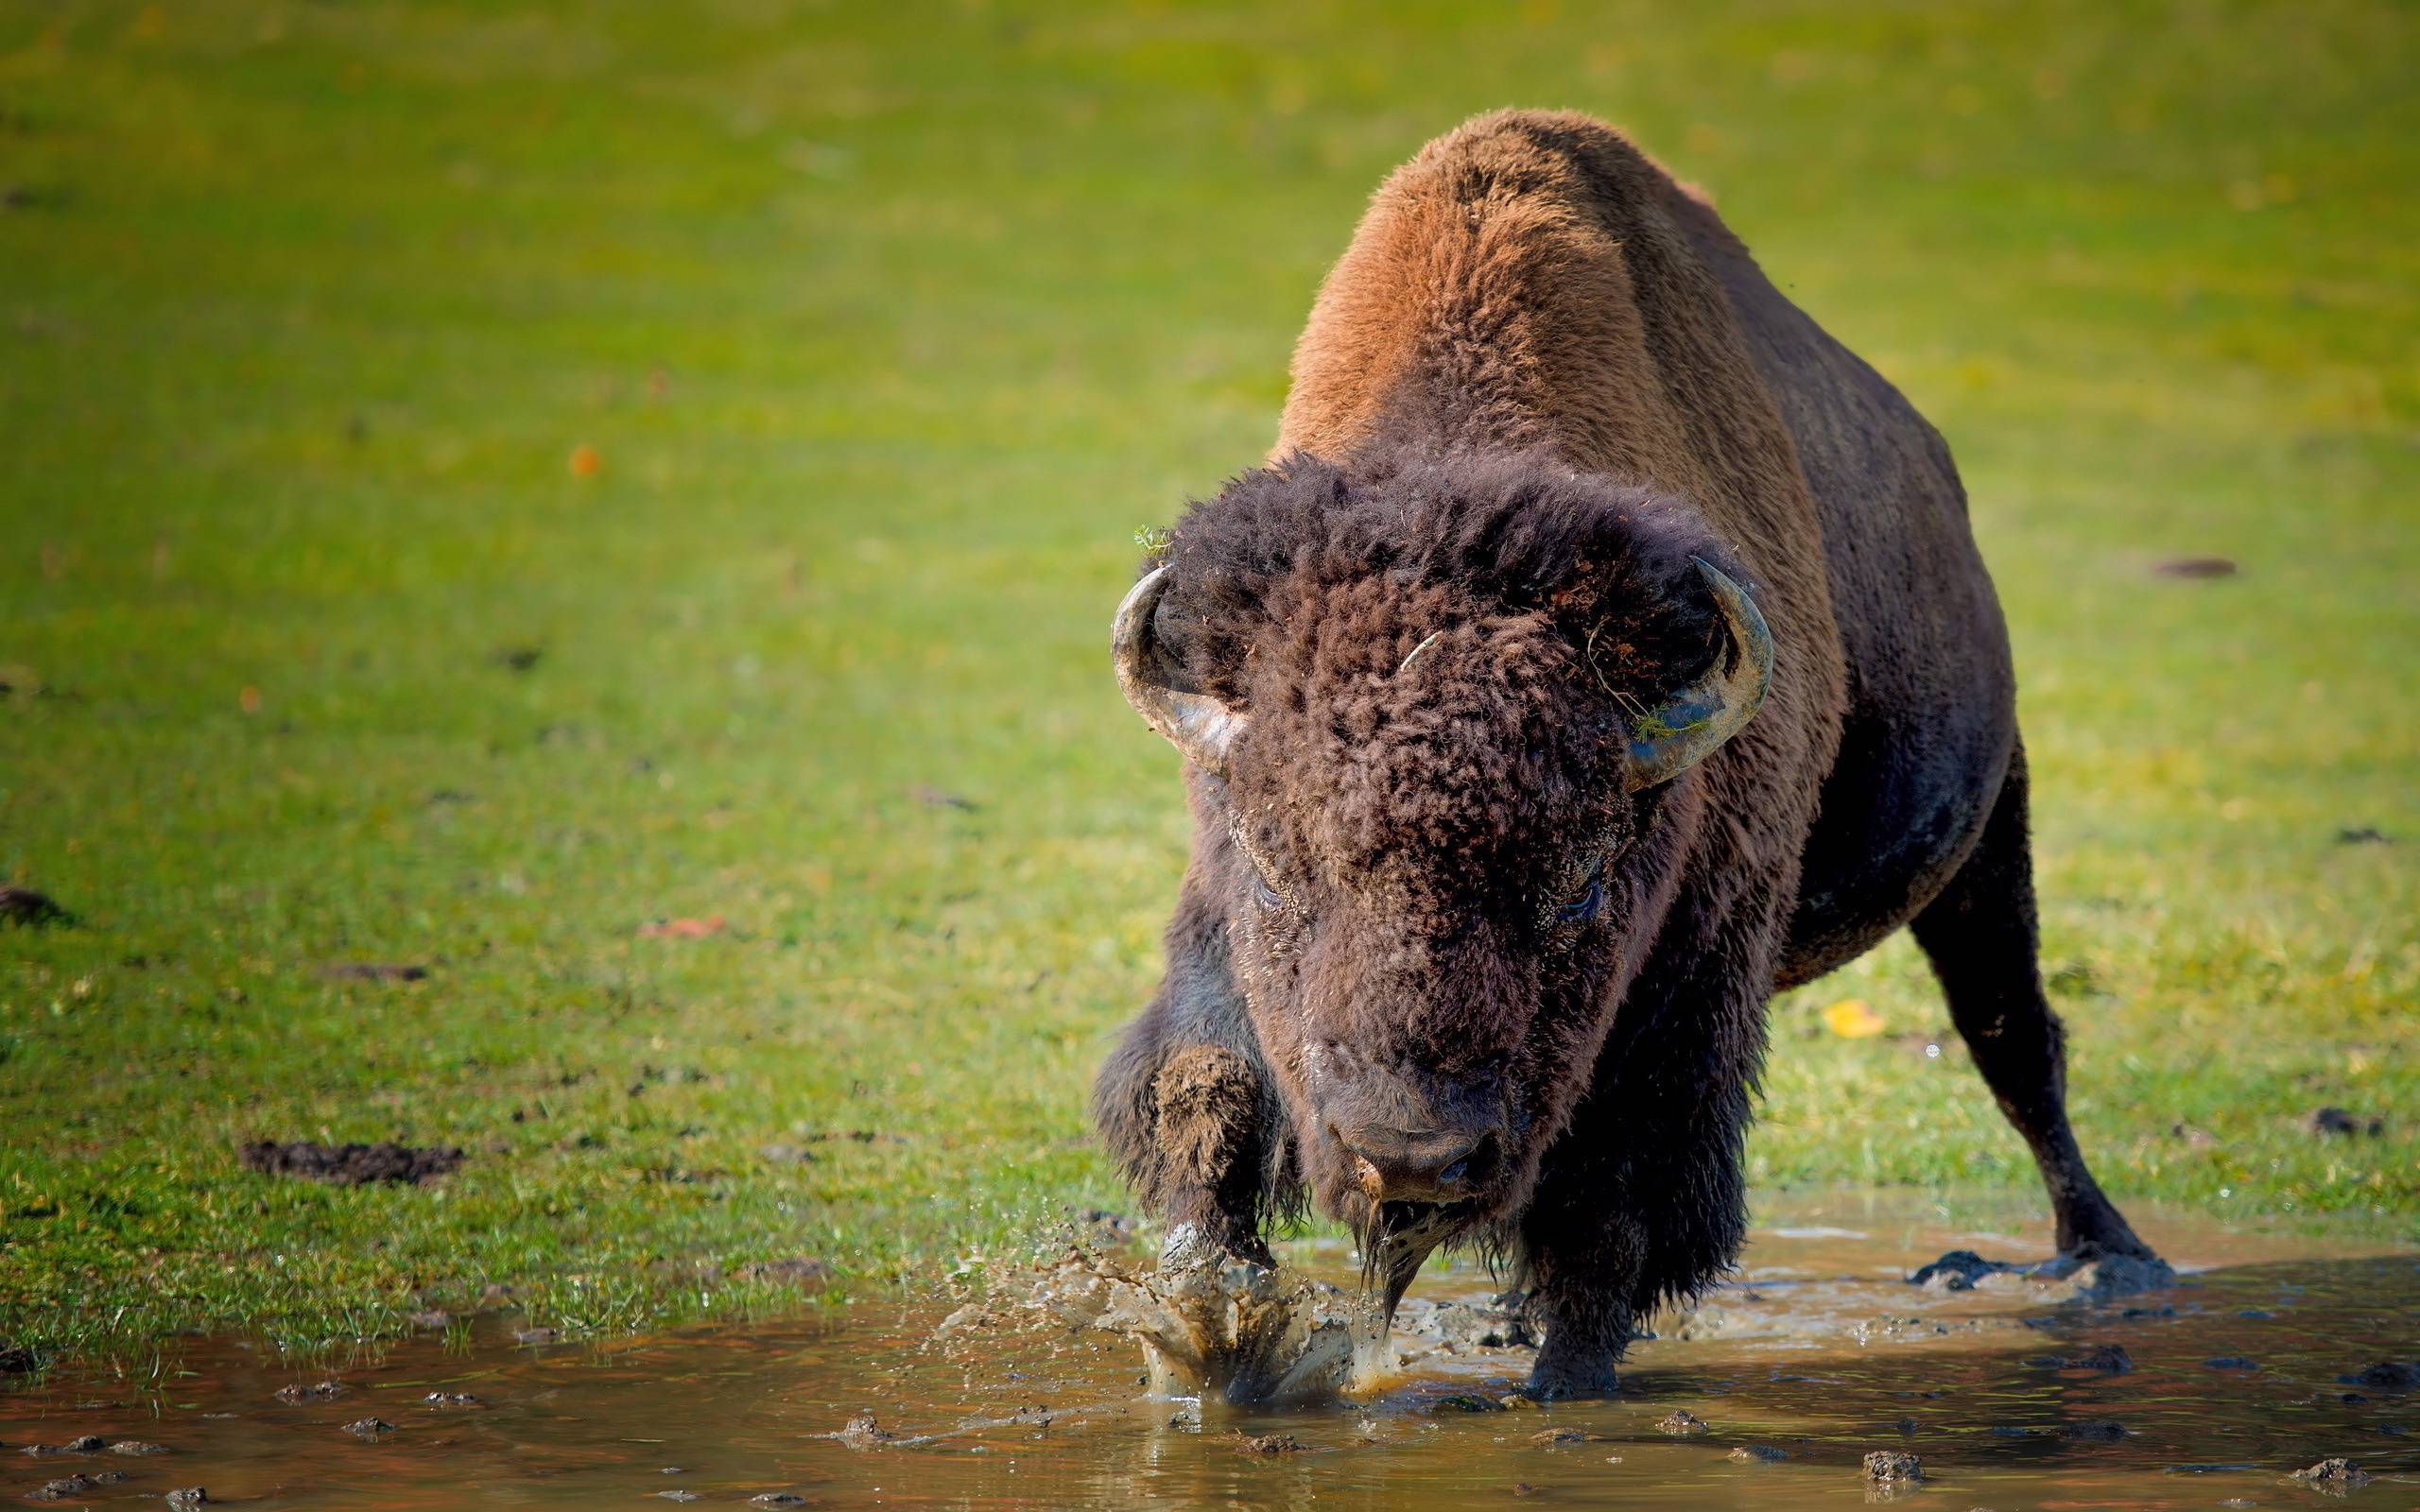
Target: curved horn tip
<point x="1687" y="727"/>
<point x="1196" y="724"/>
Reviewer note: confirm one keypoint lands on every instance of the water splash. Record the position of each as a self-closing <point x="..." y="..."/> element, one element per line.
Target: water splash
<point x="1217" y="1326"/>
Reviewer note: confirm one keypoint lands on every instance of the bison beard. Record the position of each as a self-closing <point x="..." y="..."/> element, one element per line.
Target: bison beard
<point x="1603" y="649"/>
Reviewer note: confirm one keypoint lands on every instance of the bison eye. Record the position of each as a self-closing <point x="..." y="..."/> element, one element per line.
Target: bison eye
<point x="1262" y="893"/>
<point x="1582" y="906"/>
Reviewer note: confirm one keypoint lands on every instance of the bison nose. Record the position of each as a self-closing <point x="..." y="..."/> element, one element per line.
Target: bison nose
<point x="1417" y="1165"/>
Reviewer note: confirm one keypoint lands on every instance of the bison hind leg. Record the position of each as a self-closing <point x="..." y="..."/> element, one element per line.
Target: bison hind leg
<point x="1980" y="936"/>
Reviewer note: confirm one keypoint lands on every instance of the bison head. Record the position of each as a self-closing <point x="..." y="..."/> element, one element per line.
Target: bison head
<point x="1432" y="712"/>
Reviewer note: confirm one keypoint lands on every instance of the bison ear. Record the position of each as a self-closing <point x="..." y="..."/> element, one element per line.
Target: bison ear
<point x="1674" y="737"/>
<point x="1195" y="723"/>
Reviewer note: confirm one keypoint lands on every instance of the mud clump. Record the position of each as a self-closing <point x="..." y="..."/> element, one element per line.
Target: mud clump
<point x="2109" y="1359"/>
<point x="1266" y="1443"/>
<point x="1892" y="1467"/>
<point x="88" y="1444"/>
<point x="2333" y="1475"/>
<point x="2342" y="1122"/>
<point x="2103" y="1432"/>
<point x="2100" y="1280"/>
<point x="374" y="971"/>
<point x="27" y="909"/>
<point x="62" y="1489"/>
<point x="1214" y="1324"/>
<point x="1463" y="1328"/>
<point x="350" y="1165"/>
<point x="2387" y="1375"/>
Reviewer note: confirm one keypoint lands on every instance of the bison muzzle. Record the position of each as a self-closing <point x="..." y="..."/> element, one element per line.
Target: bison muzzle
<point x="1603" y="649"/>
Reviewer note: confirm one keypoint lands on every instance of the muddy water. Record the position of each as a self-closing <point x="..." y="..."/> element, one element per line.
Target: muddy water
<point x="1821" y="1354"/>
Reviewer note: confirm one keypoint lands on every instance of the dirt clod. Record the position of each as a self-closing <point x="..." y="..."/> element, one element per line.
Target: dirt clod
<point x="2335" y="1474"/>
<point x="350" y="1165"/>
<point x="2387" y="1375"/>
<point x="1684" y="1423"/>
<point x="28" y="909"/>
<point x="374" y="971"/>
<point x="1266" y="1443"/>
<point x="2338" y="1121"/>
<point x="1885" y="1466"/>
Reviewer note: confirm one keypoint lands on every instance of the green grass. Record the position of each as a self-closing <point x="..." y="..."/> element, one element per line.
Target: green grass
<point x="888" y="327"/>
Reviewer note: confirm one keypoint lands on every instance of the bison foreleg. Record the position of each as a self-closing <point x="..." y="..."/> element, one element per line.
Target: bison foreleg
<point x="1189" y="1124"/>
<point x="1208" y="1136"/>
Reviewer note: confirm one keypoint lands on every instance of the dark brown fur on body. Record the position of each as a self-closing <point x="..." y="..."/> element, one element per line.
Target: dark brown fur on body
<point x="1426" y="916"/>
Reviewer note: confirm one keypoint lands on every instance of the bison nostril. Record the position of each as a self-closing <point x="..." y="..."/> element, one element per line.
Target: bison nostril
<point x="1476" y="1163"/>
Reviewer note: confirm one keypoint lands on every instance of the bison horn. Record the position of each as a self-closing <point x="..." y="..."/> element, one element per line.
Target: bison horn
<point x="1668" y="741"/>
<point x="1195" y="723"/>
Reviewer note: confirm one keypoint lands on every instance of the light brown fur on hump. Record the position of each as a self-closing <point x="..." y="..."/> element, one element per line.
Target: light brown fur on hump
<point x="1526" y="282"/>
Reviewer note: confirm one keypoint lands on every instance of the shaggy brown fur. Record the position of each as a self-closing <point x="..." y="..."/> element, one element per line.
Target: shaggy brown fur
<point x="1430" y="942"/>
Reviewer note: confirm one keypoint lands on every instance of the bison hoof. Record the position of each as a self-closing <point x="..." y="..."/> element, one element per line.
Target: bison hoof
<point x="1571" y="1380"/>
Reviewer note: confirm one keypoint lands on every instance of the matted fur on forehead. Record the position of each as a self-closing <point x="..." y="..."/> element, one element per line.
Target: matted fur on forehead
<point x="1606" y="563"/>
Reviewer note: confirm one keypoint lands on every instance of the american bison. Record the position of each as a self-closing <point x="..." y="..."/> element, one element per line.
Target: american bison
<point x="1602" y="648"/>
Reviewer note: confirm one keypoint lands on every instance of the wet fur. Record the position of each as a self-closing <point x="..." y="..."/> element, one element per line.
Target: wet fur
<point x="1542" y="378"/>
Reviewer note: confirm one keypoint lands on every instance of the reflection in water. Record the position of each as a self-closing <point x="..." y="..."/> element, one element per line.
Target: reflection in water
<point x="1819" y="1356"/>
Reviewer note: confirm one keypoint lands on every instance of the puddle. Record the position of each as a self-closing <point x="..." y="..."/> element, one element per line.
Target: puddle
<point x="1772" y="1395"/>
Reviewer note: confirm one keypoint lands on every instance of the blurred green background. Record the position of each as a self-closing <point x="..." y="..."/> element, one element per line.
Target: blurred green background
<point x="476" y="480"/>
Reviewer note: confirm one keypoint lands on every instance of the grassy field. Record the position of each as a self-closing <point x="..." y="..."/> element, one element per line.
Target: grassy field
<point x="475" y="482"/>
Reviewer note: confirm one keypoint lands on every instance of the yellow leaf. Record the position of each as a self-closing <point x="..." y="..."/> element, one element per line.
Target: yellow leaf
<point x="1852" y="1019"/>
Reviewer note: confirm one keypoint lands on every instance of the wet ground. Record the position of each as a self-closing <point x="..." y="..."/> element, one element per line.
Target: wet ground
<point x="2008" y="1395"/>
